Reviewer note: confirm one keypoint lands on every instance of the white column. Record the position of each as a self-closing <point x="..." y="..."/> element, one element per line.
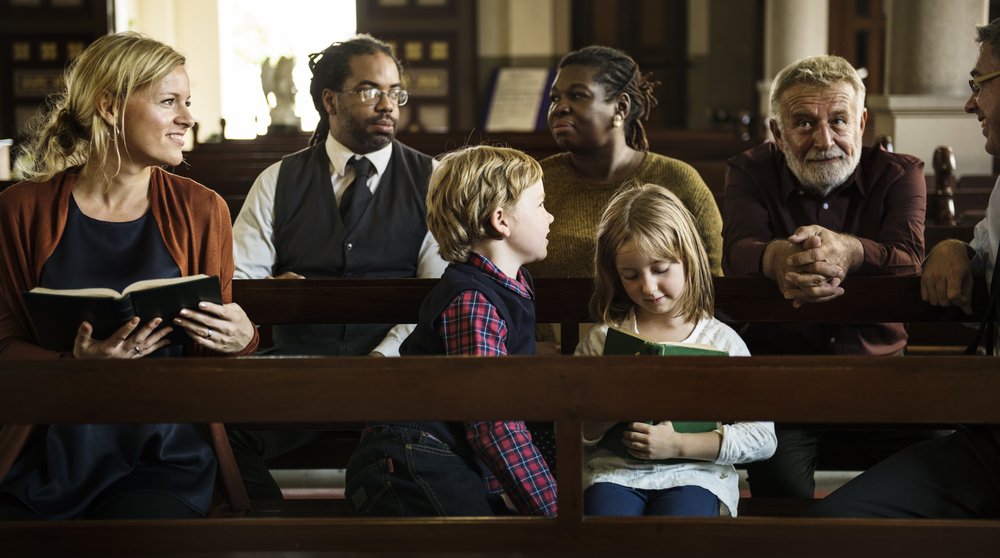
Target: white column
<point x="930" y="49"/>
<point x="793" y="29"/>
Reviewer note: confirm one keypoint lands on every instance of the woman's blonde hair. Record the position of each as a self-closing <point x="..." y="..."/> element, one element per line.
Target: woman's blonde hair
<point x="72" y="131"/>
<point x="465" y="189"/>
<point x="662" y="229"/>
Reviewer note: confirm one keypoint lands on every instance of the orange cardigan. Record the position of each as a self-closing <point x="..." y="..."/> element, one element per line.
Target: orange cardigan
<point x="196" y="229"/>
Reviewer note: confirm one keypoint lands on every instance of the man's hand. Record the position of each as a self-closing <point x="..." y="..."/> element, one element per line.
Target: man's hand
<point x="947" y="277"/>
<point x="811" y="265"/>
<point x="800" y="283"/>
<point x="825" y="252"/>
<point x="287" y="275"/>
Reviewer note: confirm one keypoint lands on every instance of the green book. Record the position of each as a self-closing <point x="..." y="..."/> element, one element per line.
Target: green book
<point x="56" y="314"/>
<point x="621" y="342"/>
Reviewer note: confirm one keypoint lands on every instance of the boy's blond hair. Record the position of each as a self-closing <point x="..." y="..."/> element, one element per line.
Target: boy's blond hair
<point x="465" y="189"/>
<point x="661" y="228"/>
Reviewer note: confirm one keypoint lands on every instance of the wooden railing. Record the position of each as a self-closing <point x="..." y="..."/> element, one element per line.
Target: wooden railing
<point x="564" y="390"/>
<point x="564" y="302"/>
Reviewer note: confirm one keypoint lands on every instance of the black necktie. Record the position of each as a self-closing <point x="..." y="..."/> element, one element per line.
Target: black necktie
<point x="357" y="195"/>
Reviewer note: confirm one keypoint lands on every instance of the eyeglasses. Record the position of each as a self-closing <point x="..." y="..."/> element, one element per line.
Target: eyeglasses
<point x="976" y="82"/>
<point x="373" y="96"/>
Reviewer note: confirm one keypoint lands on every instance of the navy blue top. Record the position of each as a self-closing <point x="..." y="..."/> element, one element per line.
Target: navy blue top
<point x="514" y="309"/>
<point x="66" y="471"/>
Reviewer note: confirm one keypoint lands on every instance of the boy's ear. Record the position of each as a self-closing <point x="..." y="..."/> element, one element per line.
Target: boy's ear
<point x="500" y="223"/>
<point x="105" y="108"/>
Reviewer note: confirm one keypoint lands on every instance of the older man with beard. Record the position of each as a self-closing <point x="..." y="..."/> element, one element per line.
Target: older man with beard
<point x="352" y="204"/>
<point x="808" y="210"/>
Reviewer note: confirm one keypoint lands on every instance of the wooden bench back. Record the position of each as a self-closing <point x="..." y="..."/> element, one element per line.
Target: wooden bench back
<point x="564" y="301"/>
<point x="567" y="391"/>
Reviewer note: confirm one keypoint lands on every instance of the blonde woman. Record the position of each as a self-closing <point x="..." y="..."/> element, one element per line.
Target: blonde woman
<point x="98" y="211"/>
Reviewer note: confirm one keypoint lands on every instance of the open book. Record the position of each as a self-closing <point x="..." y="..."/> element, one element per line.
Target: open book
<point x="56" y="314"/>
<point x="622" y="342"/>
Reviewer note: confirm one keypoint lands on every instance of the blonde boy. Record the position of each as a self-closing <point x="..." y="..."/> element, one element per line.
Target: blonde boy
<point x="485" y="206"/>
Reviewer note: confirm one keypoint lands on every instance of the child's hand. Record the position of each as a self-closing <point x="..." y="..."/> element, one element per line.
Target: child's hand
<point x="652" y="441"/>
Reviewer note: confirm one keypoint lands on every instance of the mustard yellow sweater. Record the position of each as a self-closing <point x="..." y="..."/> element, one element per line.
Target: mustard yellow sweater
<point x="577" y="205"/>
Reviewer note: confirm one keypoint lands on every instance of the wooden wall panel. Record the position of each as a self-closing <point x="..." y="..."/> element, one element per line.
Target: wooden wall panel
<point x="436" y="40"/>
<point x="37" y="39"/>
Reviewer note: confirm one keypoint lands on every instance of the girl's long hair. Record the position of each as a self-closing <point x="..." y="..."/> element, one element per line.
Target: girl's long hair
<point x="661" y="228"/>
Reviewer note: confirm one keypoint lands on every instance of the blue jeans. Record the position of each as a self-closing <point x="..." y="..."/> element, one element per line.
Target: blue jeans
<point x="397" y="471"/>
<point x="605" y="498"/>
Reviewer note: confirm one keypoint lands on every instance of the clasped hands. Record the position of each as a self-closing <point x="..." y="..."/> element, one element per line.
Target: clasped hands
<point x="811" y="265"/>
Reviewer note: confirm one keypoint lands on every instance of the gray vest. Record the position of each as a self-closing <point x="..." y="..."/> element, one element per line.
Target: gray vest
<point x="310" y="239"/>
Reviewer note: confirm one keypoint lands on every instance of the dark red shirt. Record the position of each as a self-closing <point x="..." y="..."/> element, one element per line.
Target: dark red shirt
<point x="882" y="204"/>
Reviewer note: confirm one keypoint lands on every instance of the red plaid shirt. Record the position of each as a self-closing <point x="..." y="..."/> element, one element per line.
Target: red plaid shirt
<point x="470" y="325"/>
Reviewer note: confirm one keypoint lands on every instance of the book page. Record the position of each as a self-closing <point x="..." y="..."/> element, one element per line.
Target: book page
<point x="93" y="292"/>
<point x="154" y="283"/>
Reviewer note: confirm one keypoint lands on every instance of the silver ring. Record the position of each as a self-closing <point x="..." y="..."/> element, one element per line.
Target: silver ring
<point x="208" y="333"/>
<point x="137" y="349"/>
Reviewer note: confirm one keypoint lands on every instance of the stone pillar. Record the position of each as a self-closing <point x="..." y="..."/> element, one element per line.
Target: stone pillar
<point x="793" y="29"/>
<point x="930" y="49"/>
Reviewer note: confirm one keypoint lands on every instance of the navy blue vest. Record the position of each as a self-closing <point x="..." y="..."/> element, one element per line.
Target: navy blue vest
<point x="310" y="239"/>
<point x="516" y="311"/>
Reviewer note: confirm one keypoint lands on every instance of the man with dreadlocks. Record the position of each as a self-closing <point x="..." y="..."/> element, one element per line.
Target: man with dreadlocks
<point x="305" y="218"/>
<point x="352" y="204"/>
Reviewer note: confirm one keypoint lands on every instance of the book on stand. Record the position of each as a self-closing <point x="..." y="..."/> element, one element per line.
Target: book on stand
<point x="56" y="314"/>
<point x="622" y="342"/>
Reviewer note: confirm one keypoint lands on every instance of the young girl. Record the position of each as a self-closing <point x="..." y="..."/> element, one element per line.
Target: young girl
<point x="653" y="278"/>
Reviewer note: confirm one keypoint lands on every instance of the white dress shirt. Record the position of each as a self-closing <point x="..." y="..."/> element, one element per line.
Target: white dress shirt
<point x="253" y="230"/>
<point x="987" y="237"/>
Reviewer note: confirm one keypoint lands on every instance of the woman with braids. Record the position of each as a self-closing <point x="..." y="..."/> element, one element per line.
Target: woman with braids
<point x="597" y="104"/>
<point x="98" y="211"/>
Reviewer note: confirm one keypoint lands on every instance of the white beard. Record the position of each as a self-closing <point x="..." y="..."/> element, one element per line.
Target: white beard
<point x="820" y="180"/>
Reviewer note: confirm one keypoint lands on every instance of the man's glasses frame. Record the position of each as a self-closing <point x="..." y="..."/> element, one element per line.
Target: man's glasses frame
<point x="976" y="82"/>
<point x="373" y="95"/>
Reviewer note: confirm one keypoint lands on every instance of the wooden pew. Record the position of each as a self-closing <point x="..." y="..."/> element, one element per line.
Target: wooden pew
<point x="564" y="302"/>
<point x="559" y="389"/>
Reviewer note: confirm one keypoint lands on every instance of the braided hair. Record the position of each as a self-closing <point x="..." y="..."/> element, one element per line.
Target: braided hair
<point x="619" y="73"/>
<point x="331" y="67"/>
